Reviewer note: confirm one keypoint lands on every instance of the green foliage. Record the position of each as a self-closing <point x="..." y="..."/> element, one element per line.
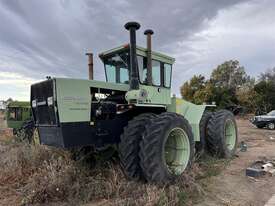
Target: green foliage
<point x="189" y="89"/>
<point x="269" y="75"/>
<point x="221" y="88"/>
<point x="247" y="97"/>
<point x="265" y="98"/>
<point x="229" y="75"/>
<point x="229" y="85"/>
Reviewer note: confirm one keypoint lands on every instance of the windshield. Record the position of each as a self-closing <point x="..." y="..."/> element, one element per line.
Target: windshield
<point x="116" y="67"/>
<point x="272" y="113"/>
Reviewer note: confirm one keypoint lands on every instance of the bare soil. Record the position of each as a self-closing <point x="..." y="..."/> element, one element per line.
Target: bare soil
<point x="2" y="121"/>
<point x="232" y="187"/>
<point x="228" y="187"/>
<point x="5" y="133"/>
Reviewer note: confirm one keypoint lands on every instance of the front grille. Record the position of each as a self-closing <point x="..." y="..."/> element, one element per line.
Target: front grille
<point x="43" y="113"/>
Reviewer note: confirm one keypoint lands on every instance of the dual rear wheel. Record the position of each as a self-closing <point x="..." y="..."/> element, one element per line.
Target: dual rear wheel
<point x="159" y="148"/>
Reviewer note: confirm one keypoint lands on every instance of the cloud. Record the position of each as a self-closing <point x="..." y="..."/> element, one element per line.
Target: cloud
<point x="244" y="32"/>
<point x="40" y="38"/>
<point x="15" y="85"/>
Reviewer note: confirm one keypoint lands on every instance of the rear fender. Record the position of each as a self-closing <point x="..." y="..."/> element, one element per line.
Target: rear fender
<point x="192" y="112"/>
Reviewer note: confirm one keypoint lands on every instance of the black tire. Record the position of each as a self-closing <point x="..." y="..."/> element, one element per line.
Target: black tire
<point x="152" y="151"/>
<point x="271" y="125"/>
<point x="201" y="145"/>
<point x="129" y="145"/>
<point x="216" y="139"/>
<point x="259" y="126"/>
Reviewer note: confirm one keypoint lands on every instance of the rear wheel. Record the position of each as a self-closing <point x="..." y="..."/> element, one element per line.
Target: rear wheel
<point x="222" y="134"/>
<point x="201" y="145"/>
<point x="167" y="148"/>
<point x="271" y="126"/>
<point x="129" y="145"/>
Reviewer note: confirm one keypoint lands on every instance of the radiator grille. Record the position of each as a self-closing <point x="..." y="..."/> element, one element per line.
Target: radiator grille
<point x="44" y="114"/>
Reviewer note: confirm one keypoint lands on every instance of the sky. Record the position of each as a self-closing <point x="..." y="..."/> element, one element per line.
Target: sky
<point x="51" y="37"/>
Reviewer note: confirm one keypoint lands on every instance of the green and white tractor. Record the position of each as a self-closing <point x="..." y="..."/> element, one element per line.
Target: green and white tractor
<point x="157" y="135"/>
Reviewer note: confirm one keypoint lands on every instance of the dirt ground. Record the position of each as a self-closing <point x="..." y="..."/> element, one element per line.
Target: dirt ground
<point x="232" y="187"/>
<point x="2" y="121"/>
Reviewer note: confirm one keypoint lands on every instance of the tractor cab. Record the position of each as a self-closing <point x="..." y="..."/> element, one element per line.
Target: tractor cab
<point x="117" y="66"/>
<point x="17" y="113"/>
<point x="154" y="89"/>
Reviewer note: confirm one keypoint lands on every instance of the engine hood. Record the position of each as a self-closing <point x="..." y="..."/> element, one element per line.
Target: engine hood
<point x="93" y="84"/>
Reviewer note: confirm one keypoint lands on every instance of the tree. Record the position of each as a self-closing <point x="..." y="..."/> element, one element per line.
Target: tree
<point x="247" y="97"/>
<point x="189" y="88"/>
<point x="230" y="75"/>
<point x="265" y="100"/>
<point x="222" y="87"/>
<point x="269" y="75"/>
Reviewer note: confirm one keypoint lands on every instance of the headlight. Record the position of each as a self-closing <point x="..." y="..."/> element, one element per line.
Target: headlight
<point x="34" y="103"/>
<point x="50" y="101"/>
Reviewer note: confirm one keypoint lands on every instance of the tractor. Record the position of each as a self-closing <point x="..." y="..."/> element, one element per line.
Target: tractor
<point x="17" y="113"/>
<point x="19" y="118"/>
<point x="156" y="134"/>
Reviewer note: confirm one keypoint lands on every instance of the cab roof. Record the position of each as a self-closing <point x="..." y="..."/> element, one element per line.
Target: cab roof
<point x="140" y="51"/>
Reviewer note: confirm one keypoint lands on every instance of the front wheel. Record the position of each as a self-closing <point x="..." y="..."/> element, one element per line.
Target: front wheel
<point x="129" y="145"/>
<point x="167" y="148"/>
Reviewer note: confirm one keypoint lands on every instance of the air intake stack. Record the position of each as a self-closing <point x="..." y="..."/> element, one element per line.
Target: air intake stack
<point x="149" y="33"/>
<point x="90" y="65"/>
<point x="132" y="27"/>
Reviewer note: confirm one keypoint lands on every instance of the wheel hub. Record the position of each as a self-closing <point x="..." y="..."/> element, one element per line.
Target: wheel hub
<point x="177" y="151"/>
<point x="230" y="134"/>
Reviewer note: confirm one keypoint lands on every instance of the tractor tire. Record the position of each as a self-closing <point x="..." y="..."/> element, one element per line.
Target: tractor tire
<point x="201" y="145"/>
<point x="167" y="148"/>
<point x="129" y="145"/>
<point x="222" y="136"/>
<point x="271" y="126"/>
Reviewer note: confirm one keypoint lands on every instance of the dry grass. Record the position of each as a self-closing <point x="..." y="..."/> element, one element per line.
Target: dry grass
<point x="37" y="175"/>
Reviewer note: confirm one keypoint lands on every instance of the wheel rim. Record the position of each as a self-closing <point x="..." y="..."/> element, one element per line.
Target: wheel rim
<point x="271" y="126"/>
<point x="177" y="151"/>
<point x="230" y="134"/>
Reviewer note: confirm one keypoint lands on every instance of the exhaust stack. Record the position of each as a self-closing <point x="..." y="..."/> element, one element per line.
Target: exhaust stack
<point x="132" y="27"/>
<point x="149" y="33"/>
<point x="90" y="65"/>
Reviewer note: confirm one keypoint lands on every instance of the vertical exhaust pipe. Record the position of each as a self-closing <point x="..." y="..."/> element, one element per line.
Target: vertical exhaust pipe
<point x="149" y="33"/>
<point x="90" y="65"/>
<point x="132" y="27"/>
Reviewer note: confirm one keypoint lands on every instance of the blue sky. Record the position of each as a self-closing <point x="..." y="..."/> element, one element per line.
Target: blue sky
<point x="42" y="38"/>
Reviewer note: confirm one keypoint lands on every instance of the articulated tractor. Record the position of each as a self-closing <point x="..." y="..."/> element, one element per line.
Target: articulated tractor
<point x="156" y="134"/>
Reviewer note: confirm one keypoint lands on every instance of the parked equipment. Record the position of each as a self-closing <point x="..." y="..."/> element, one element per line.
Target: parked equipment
<point x="17" y="112"/>
<point x="155" y="133"/>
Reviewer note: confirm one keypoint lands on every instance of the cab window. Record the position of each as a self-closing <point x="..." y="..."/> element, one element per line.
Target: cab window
<point x="167" y="75"/>
<point x="142" y="69"/>
<point x="110" y="73"/>
<point x="156" y="74"/>
<point x="116" y="68"/>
